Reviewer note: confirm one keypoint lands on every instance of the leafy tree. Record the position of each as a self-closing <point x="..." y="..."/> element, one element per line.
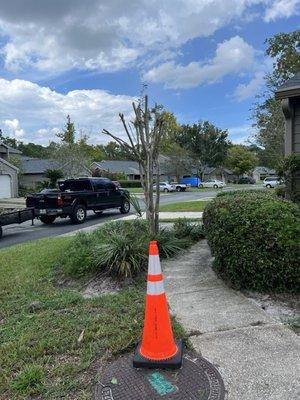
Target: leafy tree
<point x="269" y="120"/>
<point x="68" y="135"/>
<point x="7" y="140"/>
<point x="34" y="150"/>
<point x="206" y="144"/>
<point x="53" y="175"/>
<point x="284" y="49"/>
<point x="172" y="129"/>
<point x="70" y="155"/>
<point x="241" y="160"/>
<point x="179" y="162"/>
<point x="271" y="127"/>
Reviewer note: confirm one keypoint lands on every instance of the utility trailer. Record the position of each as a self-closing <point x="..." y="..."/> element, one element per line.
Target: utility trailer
<point x="16" y="217"/>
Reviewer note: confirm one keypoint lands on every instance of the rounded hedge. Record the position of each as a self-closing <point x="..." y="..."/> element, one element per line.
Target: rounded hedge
<point x="255" y="239"/>
<point x="130" y="184"/>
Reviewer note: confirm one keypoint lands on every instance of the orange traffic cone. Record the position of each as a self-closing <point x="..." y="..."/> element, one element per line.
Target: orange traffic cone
<point x="158" y="348"/>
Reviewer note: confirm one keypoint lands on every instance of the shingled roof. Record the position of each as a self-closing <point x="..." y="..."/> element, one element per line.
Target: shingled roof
<point x="290" y="88"/>
<point x="115" y="166"/>
<point x="37" y="166"/>
<point x="5" y="149"/>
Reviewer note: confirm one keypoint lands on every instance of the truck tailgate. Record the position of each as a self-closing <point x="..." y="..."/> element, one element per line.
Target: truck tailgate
<point x="42" y="201"/>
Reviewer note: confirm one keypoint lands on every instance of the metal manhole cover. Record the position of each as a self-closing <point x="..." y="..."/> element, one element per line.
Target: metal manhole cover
<point x="196" y="380"/>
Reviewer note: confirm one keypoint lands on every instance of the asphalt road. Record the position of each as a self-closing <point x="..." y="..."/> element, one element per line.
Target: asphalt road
<point x="14" y="234"/>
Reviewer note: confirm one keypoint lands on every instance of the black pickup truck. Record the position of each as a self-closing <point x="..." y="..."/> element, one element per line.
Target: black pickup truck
<point x="75" y="196"/>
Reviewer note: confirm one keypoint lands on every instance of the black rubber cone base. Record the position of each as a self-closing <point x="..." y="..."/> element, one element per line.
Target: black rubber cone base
<point x="172" y="363"/>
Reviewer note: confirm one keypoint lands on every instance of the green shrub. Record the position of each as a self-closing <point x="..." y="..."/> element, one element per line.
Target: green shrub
<point x="254" y="237"/>
<point x="120" y="248"/>
<point x="130" y="184"/>
<point x="280" y="191"/>
<point x="169" y="244"/>
<point x="183" y="229"/>
<point x="257" y="192"/>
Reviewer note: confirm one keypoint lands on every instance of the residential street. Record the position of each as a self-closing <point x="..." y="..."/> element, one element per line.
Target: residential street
<point x="14" y="234"/>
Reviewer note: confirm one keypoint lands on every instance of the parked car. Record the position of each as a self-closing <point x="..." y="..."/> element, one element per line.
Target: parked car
<point x="271" y="182"/>
<point x="213" y="183"/>
<point x="165" y="187"/>
<point x="246" y="180"/>
<point x="180" y="187"/>
<point x="75" y="196"/>
<point x="193" y="181"/>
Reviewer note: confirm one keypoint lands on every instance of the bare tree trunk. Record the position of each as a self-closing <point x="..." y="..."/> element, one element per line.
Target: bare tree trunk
<point x="156" y="212"/>
<point x="144" y="148"/>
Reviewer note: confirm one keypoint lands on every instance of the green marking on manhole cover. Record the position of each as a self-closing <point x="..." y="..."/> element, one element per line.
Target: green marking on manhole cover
<point x="160" y="384"/>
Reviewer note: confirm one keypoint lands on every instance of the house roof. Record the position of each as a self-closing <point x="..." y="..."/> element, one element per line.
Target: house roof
<point x="8" y="164"/>
<point x="290" y="88"/>
<point x="114" y="166"/>
<point x="209" y="170"/>
<point x="37" y="166"/>
<point x="264" y="170"/>
<point x="5" y="148"/>
<point x="126" y="166"/>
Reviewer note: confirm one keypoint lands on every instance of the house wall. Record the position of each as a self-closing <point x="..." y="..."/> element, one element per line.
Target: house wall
<point x="296" y="142"/>
<point x="30" y="180"/>
<point x="296" y="128"/>
<point x="6" y="170"/>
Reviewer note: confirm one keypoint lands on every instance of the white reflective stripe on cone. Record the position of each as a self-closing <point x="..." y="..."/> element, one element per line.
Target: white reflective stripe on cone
<point x="154" y="267"/>
<point x="155" y="287"/>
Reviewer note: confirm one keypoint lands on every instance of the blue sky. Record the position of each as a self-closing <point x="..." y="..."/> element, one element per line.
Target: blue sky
<point x="201" y="59"/>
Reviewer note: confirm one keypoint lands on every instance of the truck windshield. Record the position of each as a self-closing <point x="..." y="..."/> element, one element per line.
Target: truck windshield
<point x="75" y="186"/>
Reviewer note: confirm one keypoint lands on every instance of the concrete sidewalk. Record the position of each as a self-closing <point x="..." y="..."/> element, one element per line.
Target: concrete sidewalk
<point x="257" y="356"/>
<point x="170" y="215"/>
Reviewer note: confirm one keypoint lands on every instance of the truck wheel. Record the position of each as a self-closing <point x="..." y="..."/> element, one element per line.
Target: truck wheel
<point x="216" y="186"/>
<point x="178" y="189"/>
<point x="125" y="207"/>
<point x="78" y="215"/>
<point x="47" y="219"/>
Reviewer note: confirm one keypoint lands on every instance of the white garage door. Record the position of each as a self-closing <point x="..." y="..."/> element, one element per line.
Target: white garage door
<point x="5" y="186"/>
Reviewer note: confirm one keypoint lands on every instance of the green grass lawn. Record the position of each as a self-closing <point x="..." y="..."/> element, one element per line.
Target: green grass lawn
<point x="40" y="324"/>
<point x="135" y="190"/>
<point x="184" y="206"/>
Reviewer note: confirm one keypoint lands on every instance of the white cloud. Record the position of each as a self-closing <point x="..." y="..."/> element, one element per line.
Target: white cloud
<point x="54" y="36"/>
<point x="42" y="112"/>
<point x="232" y="56"/>
<point x="245" y="91"/>
<point x="241" y="134"/>
<point x="282" y="9"/>
<point x="13" y="127"/>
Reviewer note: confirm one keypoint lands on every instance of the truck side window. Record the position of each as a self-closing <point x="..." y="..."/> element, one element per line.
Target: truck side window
<point x="75" y="186"/>
<point x="110" y="185"/>
<point x="99" y="185"/>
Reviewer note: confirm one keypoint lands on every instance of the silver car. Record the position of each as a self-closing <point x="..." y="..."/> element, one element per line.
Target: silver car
<point x="213" y="183"/>
<point x="271" y="182"/>
<point x="165" y="187"/>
